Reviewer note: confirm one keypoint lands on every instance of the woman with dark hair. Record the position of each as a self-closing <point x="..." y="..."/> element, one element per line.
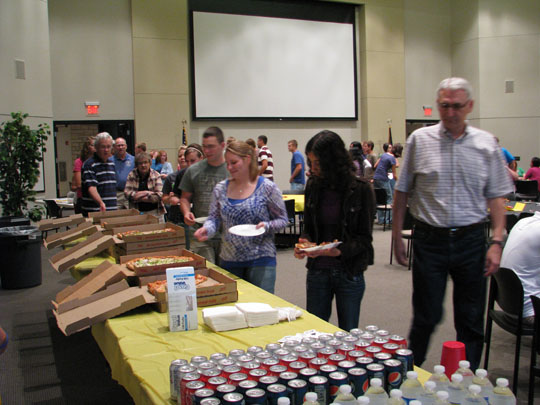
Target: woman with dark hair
<point x="338" y="205"/>
<point x="358" y="158"/>
<point x="76" y="181"/>
<point x="534" y="172"/>
<point x="160" y="164"/>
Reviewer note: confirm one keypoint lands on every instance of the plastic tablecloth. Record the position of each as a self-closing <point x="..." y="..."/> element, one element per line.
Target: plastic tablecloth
<point x="298" y="201"/>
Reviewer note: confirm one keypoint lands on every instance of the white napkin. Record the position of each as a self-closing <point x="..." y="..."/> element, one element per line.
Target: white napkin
<point x="224" y="318"/>
<point x="258" y="314"/>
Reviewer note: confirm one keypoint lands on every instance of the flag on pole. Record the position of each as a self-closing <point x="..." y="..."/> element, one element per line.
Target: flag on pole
<point x="390" y="134"/>
<point x="184" y="135"/>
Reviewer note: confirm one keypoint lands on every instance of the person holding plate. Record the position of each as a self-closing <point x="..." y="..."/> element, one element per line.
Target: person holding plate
<point x="246" y="198"/>
<point x="338" y="206"/>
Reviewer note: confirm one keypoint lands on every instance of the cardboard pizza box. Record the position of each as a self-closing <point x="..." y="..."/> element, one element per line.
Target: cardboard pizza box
<point x="175" y="232"/>
<point x="162" y="306"/>
<point x="114" y="300"/>
<point x="61" y="238"/>
<point x="94" y="244"/>
<point x="110" y="223"/>
<point x="124" y="249"/>
<point x="54" y="223"/>
<point x="97" y="216"/>
<point x="196" y="261"/>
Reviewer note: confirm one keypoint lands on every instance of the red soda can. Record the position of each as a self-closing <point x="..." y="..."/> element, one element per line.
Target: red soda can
<point x="307" y="356"/>
<point x="317" y="362"/>
<point x="236" y="353"/>
<point x="345" y="349"/>
<point x="390" y="348"/>
<point x="277" y="370"/>
<point x="326" y="352"/>
<point x="379" y="341"/>
<point x="381" y="357"/>
<point x="383" y="333"/>
<point x="367" y="336"/>
<point x="354" y="354"/>
<point x="296" y="366"/>
<point x="185" y="379"/>
<point x="246" y="385"/>
<point x="350" y="340"/>
<point x="298" y="350"/>
<point x="272" y="347"/>
<point x="216" y="357"/>
<point x="227" y="371"/>
<point x="325" y="338"/>
<point x="254" y="350"/>
<point x="262" y="356"/>
<point x="317" y="346"/>
<point x="215" y="382"/>
<point x="257" y="373"/>
<point x="250" y="365"/>
<point x="399" y="340"/>
<point x="245" y="358"/>
<point x="266" y="364"/>
<point x="371" y="328"/>
<point x="226" y="362"/>
<point x="356" y="332"/>
<point x="279" y="353"/>
<point x="334" y="344"/>
<point x="336" y="358"/>
<point x="361" y="345"/>
<point x="340" y="334"/>
<point x="372" y="350"/>
<point x="191" y="387"/>
<point x="234" y="379"/>
<point x="287" y="360"/>
<point x="207" y="374"/>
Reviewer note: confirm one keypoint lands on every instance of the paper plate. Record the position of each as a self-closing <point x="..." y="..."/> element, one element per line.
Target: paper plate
<point x="323" y="247"/>
<point x="201" y="220"/>
<point x="246" y="230"/>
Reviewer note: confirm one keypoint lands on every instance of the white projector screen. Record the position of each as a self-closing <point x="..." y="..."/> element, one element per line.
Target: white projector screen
<point x="252" y="67"/>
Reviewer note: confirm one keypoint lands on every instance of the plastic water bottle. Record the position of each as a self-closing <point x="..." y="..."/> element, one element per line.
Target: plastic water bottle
<point x="442" y="398"/>
<point x="344" y="396"/>
<point x="415" y="402"/>
<point x="481" y="380"/>
<point x="284" y="401"/>
<point x="362" y="400"/>
<point x="428" y="396"/>
<point x="474" y="397"/>
<point x="465" y="370"/>
<point x="411" y="387"/>
<point x="456" y="393"/>
<point x="311" y="399"/>
<point x="439" y="378"/>
<point x="395" y="398"/>
<point x="502" y="395"/>
<point x="376" y="394"/>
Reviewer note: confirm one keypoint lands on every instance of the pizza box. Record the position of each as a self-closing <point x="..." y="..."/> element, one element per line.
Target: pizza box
<point x="54" y="223"/>
<point x="146" y="246"/>
<point x="110" y="223"/>
<point x="197" y="261"/>
<point x="175" y="233"/>
<point x="97" y="216"/>
<point x="210" y="300"/>
<point x="103" y="275"/>
<point x="94" y="244"/>
<point x="59" y="239"/>
<point x="114" y="300"/>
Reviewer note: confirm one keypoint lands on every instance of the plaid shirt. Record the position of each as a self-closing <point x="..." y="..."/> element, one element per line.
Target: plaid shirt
<point x="154" y="184"/>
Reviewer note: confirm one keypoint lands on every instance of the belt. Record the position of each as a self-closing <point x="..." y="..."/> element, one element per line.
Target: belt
<point x="447" y="232"/>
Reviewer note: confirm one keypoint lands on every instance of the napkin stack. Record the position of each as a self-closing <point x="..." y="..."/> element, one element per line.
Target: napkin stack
<point x="224" y="318"/>
<point x="258" y="314"/>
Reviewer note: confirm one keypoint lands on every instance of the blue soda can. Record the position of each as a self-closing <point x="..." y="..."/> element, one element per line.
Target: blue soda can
<point x="319" y="385"/>
<point x="376" y="370"/>
<point x="255" y="396"/>
<point x="246" y="385"/>
<point x="394" y="378"/>
<point x="336" y="380"/>
<point x="297" y="391"/>
<point x="233" y="398"/>
<point x="406" y="358"/>
<point x="358" y="379"/>
<point x="274" y="392"/>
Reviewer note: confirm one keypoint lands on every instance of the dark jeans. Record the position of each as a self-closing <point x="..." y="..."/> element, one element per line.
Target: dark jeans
<point x="262" y="276"/>
<point x="321" y="287"/>
<point x="463" y="258"/>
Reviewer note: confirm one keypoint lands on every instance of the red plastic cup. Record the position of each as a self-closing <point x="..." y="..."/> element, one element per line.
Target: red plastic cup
<point x="452" y="353"/>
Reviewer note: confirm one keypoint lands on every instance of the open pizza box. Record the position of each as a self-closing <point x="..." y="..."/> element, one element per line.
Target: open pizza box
<point x="55" y="223"/>
<point x="114" y="300"/>
<point x="108" y="224"/>
<point x="94" y="244"/>
<point x="196" y="261"/>
<point x="61" y="238"/>
<point x="130" y="244"/>
<point x="96" y="217"/>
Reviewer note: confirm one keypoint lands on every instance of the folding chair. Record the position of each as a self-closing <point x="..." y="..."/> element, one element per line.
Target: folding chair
<point x="527" y="190"/>
<point x="380" y="200"/>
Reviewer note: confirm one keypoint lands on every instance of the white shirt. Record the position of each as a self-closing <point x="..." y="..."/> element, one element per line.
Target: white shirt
<point x="522" y="255"/>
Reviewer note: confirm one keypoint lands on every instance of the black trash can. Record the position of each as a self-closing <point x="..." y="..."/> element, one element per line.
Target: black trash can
<point x="21" y="261"/>
<point x="13" y="221"/>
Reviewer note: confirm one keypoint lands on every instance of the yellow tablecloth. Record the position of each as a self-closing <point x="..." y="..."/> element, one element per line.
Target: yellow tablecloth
<point x="298" y="201"/>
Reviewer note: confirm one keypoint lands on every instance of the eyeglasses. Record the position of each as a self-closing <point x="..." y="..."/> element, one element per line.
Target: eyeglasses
<point x="454" y="106"/>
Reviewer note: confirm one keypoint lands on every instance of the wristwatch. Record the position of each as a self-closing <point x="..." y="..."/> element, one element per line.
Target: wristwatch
<point x="496" y="242"/>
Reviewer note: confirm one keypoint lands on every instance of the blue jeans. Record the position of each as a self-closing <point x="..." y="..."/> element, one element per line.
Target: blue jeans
<point x="463" y="258"/>
<point x="321" y="287"/>
<point x="389" y="199"/>
<point x="262" y="276"/>
<point x="297" y="187"/>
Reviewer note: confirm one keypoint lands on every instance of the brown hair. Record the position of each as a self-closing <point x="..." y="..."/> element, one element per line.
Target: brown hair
<point x="141" y="146"/>
<point x="141" y="157"/>
<point x="243" y="150"/>
<point x="195" y="148"/>
<point x="251" y="143"/>
<point x="85" y="151"/>
<point x="158" y="157"/>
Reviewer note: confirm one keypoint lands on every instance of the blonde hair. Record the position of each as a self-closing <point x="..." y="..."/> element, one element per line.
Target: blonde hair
<point x="242" y="149"/>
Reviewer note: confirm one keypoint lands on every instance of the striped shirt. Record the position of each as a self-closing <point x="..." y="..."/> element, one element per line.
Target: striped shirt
<point x="450" y="180"/>
<point x="101" y="175"/>
<point x="266" y="154"/>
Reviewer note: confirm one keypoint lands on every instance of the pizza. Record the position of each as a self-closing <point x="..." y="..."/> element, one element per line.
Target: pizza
<point x="135" y="232"/>
<point x="199" y="279"/>
<point x="160" y="286"/>
<point x="305" y="245"/>
<point x="148" y="261"/>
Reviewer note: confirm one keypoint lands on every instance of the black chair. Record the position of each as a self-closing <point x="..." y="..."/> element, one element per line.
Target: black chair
<point x="511" y="220"/>
<point x="506" y="289"/>
<point x="291" y="215"/>
<point x="525" y="215"/>
<point x="284" y="239"/>
<point x="535" y="349"/>
<point x="380" y="200"/>
<point x="53" y="210"/>
<point x="527" y="190"/>
<point x="406" y="233"/>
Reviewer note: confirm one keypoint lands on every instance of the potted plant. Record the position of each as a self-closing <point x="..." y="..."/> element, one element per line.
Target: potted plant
<point x="21" y="151"/>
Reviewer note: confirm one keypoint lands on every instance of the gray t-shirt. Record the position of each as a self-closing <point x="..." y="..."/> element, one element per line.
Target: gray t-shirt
<point x="200" y="180"/>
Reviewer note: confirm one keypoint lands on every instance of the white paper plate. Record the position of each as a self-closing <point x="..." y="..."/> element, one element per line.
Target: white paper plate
<point x="246" y="230"/>
<point x="201" y="220"/>
<point x="324" y="247"/>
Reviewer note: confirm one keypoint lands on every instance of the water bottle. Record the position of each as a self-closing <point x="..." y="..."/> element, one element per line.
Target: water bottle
<point x="481" y="380"/>
<point x="284" y="401"/>
<point x="376" y="394"/>
<point x="465" y="370"/>
<point x="502" y="395"/>
<point x="456" y="393"/>
<point x="395" y="398"/>
<point x="362" y="400"/>
<point x="439" y="378"/>
<point x="442" y="398"/>
<point x="344" y="396"/>
<point x="411" y="387"/>
<point x="311" y="399"/>
<point x="428" y="397"/>
<point x="415" y="402"/>
<point x="474" y="397"/>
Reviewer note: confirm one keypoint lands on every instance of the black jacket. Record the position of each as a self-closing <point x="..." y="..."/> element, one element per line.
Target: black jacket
<point x="357" y="215"/>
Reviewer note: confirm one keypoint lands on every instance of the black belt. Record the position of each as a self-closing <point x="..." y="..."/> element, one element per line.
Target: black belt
<point x="447" y="232"/>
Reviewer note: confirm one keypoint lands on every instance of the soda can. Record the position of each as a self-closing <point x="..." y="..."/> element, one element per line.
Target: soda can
<point x="206" y="365"/>
<point x="182" y="393"/>
<point x="257" y="373"/>
<point x="266" y="364"/>
<point x="235" y="378"/>
<point x="296" y="366"/>
<point x="307" y="356"/>
<point x="191" y="387"/>
<point x="196" y="360"/>
<point x="336" y="358"/>
<point x="224" y="389"/>
<point x="379" y="341"/>
<point x="255" y="396"/>
<point x="245" y="358"/>
<point x="216" y="357"/>
<point x="325" y="337"/>
<point x="367" y="336"/>
<point x="307" y="373"/>
<point x="298" y="350"/>
<point x="233" y="398"/>
<point x="393" y="374"/>
<point x="277" y="370"/>
<point x="261" y="356"/>
<point x="371" y="351"/>
<point x="371" y="328"/>
<point x="226" y="362"/>
<point x="358" y="379"/>
<point x="354" y="354"/>
<point x="383" y="333"/>
<point x="236" y="353"/>
<point x="254" y="350"/>
<point x="376" y="370"/>
<point x="345" y="365"/>
<point x="363" y="362"/>
<point x="202" y="394"/>
<point x="336" y="380"/>
<point x="340" y="334"/>
<point x="174" y="374"/>
<point x="289" y="344"/>
<point x="279" y="353"/>
<point x="267" y="380"/>
<point x="326" y="352"/>
<point x="381" y="357"/>
<point x="327" y="369"/>
<point x="317" y="362"/>
<point x="272" y="347"/>
<point x="250" y="365"/>
<point x="215" y="382"/>
<point x="287" y="376"/>
<point x="399" y="340"/>
<point x="288" y="359"/>
<point x="307" y="340"/>
<point x="317" y="346"/>
<point x="246" y="385"/>
<point x="390" y="348"/>
<point x="274" y="392"/>
<point x="210" y="401"/>
<point x="207" y="374"/>
<point x="334" y="344"/>
<point x="297" y="391"/>
<point x="319" y="385"/>
<point x="361" y="344"/>
<point x="345" y="348"/>
<point x="406" y="358"/>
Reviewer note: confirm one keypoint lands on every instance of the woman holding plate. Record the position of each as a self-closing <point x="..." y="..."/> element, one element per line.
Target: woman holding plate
<point x="338" y="206"/>
<point x="246" y="199"/>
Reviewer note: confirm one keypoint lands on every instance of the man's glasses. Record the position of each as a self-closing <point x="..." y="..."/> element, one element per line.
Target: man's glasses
<point x="453" y="106"/>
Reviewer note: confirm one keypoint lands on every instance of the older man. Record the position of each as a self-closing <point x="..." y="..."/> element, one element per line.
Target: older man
<point x="99" y="177"/>
<point x="123" y="164"/>
<point x="449" y="194"/>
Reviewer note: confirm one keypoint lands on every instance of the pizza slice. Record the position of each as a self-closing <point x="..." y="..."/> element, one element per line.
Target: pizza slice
<point x="150" y="261"/>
